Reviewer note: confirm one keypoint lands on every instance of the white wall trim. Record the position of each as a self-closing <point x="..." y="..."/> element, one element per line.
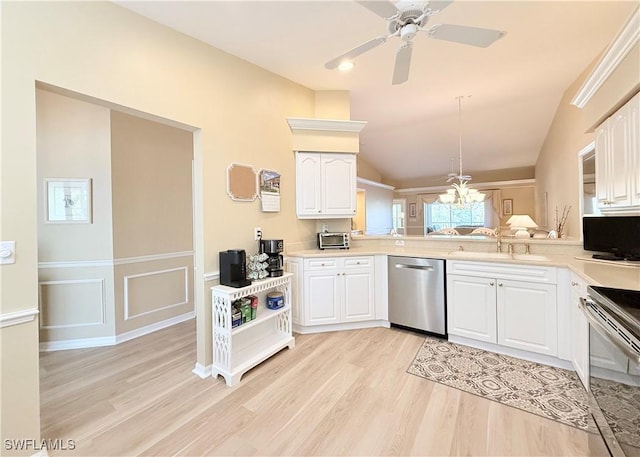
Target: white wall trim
<point x="113" y="340"/>
<point x="617" y="51"/>
<point x="328" y="125"/>
<point x="111" y="263"/>
<point x="128" y="316"/>
<point x="103" y="302"/>
<point x="18" y="317"/>
<point x="203" y="371"/>
<point x="374" y="183"/>
<point x="155" y="327"/>
<point x="212" y="276"/>
<point x="480" y="186"/>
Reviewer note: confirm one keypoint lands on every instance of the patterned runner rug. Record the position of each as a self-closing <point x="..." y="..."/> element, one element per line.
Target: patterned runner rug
<point x="547" y="391"/>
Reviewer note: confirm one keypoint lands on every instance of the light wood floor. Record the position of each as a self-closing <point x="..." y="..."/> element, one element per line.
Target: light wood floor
<point x="340" y="393"/>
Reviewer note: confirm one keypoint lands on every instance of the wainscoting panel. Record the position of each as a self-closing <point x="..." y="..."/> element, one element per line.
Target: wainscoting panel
<point x="72" y="303"/>
<point x="155" y="291"/>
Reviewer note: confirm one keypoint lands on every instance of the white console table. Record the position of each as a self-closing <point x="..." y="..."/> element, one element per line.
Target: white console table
<point x="237" y="350"/>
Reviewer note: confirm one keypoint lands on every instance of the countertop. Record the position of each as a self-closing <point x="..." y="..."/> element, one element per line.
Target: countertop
<point x="595" y="272"/>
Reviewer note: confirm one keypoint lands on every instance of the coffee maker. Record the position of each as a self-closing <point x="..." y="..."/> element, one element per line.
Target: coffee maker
<point x="273" y="248"/>
<point x="233" y="268"/>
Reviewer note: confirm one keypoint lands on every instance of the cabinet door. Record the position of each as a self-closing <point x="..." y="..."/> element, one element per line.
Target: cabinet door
<point x="471" y="307"/>
<point x="339" y="184"/>
<point x="602" y="173"/>
<point x="619" y="170"/>
<point x="579" y="330"/>
<point x="634" y="149"/>
<point x="527" y="316"/>
<point x="308" y="184"/>
<point x="358" y="302"/>
<point x="321" y="297"/>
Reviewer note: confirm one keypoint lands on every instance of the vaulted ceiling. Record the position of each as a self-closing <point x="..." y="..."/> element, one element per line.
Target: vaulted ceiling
<point x="413" y="131"/>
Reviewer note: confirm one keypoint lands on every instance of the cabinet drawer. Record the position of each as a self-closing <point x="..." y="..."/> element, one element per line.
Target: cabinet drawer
<point x="529" y="273"/>
<point x="358" y="262"/>
<point x="320" y="264"/>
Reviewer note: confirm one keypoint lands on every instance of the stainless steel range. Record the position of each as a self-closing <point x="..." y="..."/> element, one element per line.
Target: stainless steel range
<point x="614" y="367"/>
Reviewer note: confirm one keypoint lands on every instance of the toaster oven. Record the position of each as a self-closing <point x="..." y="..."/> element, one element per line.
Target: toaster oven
<point x="335" y="240"/>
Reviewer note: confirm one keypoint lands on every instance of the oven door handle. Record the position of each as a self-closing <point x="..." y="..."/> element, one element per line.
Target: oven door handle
<point x="608" y="333"/>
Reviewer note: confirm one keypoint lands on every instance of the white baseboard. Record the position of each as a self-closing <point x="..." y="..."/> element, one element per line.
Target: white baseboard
<point x="517" y="353"/>
<point x="302" y="329"/>
<point x="203" y="371"/>
<point x="81" y="343"/>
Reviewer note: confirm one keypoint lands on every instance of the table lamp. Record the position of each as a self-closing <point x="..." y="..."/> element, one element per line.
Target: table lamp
<point x="520" y="223"/>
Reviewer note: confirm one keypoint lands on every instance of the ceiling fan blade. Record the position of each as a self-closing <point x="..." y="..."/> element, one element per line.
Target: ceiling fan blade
<point x="403" y="62"/>
<point x="355" y="52"/>
<point x="438" y="5"/>
<point x="473" y="36"/>
<point x="383" y="9"/>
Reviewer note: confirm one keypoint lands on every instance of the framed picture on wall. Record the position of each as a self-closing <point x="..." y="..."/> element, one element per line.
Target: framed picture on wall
<point x="507" y="206"/>
<point x="68" y="200"/>
<point x="412" y="210"/>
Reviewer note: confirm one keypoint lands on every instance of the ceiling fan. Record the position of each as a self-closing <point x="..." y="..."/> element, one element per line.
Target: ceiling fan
<point x="405" y="19"/>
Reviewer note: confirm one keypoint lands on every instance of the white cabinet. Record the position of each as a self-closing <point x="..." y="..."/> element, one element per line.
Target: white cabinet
<point x="472" y="307"/>
<point x="579" y="330"/>
<point x="325" y="185"/>
<point x="338" y="290"/>
<point x="618" y="160"/>
<point x="337" y="293"/>
<point x="509" y="305"/>
<point x="237" y="350"/>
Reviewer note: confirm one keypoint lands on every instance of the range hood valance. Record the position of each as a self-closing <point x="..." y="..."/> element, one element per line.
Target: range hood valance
<point x="325" y="135"/>
<point x="327" y="125"/>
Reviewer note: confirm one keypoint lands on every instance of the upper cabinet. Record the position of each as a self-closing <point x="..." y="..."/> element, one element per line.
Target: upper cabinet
<point x="325" y="185"/>
<point x="618" y="161"/>
<point x="325" y="167"/>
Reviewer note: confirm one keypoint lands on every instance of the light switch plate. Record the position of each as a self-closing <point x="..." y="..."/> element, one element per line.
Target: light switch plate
<point x="7" y="252"/>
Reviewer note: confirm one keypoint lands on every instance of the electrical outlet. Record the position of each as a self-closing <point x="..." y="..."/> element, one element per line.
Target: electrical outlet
<point x="7" y="252"/>
<point x="257" y="233"/>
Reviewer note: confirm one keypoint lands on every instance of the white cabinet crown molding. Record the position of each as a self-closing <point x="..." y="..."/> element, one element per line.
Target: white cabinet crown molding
<point x="617" y="51"/>
<point x="327" y="125"/>
<point x="374" y="183"/>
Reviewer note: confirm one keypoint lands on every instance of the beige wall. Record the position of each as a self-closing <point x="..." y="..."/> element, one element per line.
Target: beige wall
<point x="378" y="202"/>
<point x="236" y="110"/>
<point x="557" y="165"/>
<point x="367" y="171"/>
<point x="523" y="202"/>
<point x="510" y="174"/>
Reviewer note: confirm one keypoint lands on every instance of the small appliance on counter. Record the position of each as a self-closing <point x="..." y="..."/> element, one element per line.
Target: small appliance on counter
<point x="273" y="249"/>
<point x="333" y="240"/>
<point x="233" y="268"/>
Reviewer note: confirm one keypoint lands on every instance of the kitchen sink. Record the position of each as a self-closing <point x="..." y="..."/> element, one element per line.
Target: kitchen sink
<point x="480" y="255"/>
<point x="531" y="257"/>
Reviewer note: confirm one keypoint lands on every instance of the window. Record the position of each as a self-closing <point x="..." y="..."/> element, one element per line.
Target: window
<point x="398" y="211"/>
<point x="443" y="215"/>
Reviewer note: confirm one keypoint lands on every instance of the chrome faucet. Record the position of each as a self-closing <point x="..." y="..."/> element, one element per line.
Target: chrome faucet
<point x="527" y="248"/>
<point x="498" y="240"/>
<point x="510" y="248"/>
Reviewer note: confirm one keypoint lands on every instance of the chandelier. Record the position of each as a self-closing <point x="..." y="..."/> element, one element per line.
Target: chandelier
<point x="461" y="193"/>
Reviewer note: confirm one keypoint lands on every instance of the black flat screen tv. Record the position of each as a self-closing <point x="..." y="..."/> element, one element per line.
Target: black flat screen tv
<point x="613" y="237"/>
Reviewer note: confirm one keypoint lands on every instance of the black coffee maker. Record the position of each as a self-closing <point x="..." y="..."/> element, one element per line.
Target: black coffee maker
<point x="273" y="248"/>
<point x="233" y="268"/>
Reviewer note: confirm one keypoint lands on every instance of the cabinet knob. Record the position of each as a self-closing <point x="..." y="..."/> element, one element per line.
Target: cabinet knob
<point x="500" y="284"/>
<point x="492" y="283"/>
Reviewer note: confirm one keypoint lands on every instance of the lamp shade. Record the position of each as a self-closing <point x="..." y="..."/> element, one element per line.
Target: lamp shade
<point x="521" y="221"/>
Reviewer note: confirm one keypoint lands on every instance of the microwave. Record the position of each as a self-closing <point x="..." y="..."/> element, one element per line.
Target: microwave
<point x="333" y="240"/>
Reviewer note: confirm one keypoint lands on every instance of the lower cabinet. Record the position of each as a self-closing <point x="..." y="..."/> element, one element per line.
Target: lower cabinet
<point x="335" y="290"/>
<point x="579" y="330"/>
<point x="488" y="302"/>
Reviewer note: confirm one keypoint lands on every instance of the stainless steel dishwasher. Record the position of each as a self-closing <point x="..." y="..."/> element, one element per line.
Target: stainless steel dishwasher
<point x="417" y="294"/>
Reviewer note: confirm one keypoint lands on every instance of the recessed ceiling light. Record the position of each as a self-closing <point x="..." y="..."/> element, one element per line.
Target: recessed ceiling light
<point x="345" y="66"/>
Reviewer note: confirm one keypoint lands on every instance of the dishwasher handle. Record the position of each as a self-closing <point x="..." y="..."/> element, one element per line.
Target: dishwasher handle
<point x="415" y="267"/>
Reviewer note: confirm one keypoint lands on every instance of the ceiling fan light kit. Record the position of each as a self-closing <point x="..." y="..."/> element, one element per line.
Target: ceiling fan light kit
<point x="405" y="19"/>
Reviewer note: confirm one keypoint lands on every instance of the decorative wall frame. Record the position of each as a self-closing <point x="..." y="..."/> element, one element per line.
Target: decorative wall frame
<point x="412" y="210"/>
<point x="68" y="200"/>
<point x="242" y="182"/>
<point x="507" y="206"/>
